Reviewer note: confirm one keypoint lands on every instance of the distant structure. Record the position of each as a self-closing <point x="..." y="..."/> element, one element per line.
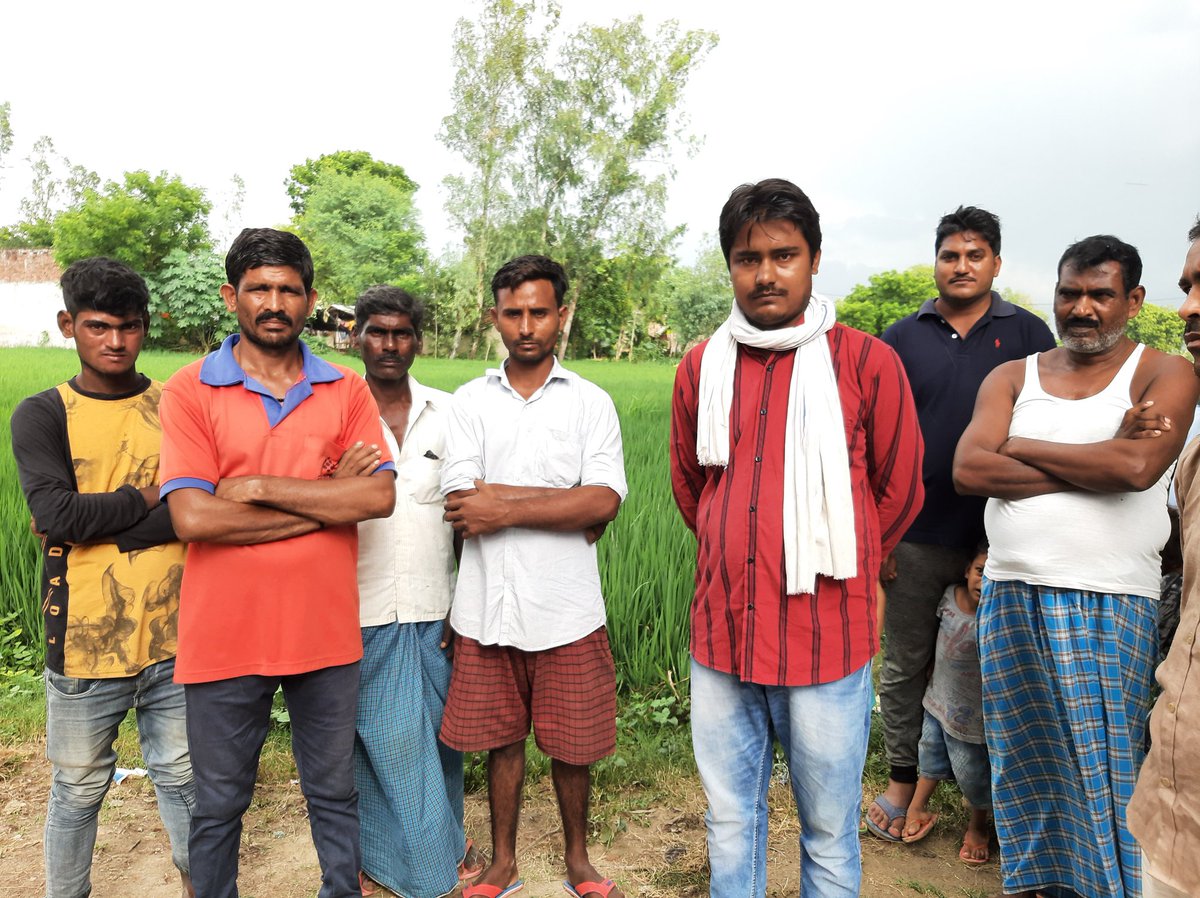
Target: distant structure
<point x="30" y="298"/>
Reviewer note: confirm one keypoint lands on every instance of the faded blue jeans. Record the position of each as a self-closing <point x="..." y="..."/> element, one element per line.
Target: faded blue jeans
<point x="823" y="730"/>
<point x="82" y="717"/>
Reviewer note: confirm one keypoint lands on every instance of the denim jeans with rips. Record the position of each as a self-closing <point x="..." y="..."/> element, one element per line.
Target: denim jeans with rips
<point x="823" y="730"/>
<point x="82" y="717"/>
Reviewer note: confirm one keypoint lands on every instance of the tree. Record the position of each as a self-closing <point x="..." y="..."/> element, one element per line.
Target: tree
<point x="186" y="308"/>
<point x="886" y="298"/>
<point x="491" y="83"/>
<point x="304" y="177"/>
<point x="138" y="222"/>
<point x="1159" y="328"/>
<point x="571" y="156"/>
<point x="361" y="229"/>
<point x="698" y="298"/>
<point x="56" y="185"/>
<point x="6" y="133"/>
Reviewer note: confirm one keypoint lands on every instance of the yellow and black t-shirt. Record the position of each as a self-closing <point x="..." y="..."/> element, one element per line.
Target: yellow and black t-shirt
<point x="112" y="570"/>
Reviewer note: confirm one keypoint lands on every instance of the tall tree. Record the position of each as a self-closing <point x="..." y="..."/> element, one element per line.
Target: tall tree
<point x="609" y="114"/>
<point x="137" y="221"/>
<point x="495" y="59"/>
<point x="362" y="229"/>
<point x="304" y="177"/>
<point x="698" y="297"/>
<point x="561" y="150"/>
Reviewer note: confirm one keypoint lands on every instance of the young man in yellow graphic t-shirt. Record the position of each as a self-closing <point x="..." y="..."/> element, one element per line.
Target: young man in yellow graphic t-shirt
<point x="87" y="454"/>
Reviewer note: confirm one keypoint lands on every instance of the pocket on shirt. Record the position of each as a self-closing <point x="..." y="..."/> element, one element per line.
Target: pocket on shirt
<point x="422" y="478"/>
<point x="326" y="453"/>
<point x="560" y="459"/>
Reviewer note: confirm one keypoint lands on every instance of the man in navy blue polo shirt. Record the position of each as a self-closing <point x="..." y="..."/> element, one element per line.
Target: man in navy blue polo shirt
<point x="947" y="347"/>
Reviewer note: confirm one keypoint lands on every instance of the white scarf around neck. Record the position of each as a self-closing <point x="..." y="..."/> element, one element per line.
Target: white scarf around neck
<point x="818" y="508"/>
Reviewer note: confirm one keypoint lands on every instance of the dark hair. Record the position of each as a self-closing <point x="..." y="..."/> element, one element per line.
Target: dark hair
<point x="771" y="200"/>
<point x="256" y="247"/>
<point x="386" y="300"/>
<point x="1194" y="233"/>
<point x="1096" y="250"/>
<point x="982" y="548"/>
<point x="104" y="285"/>
<point x="515" y="272"/>
<point x="969" y="218"/>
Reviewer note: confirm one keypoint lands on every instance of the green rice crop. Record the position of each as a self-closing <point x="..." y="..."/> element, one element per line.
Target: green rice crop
<point x="647" y="556"/>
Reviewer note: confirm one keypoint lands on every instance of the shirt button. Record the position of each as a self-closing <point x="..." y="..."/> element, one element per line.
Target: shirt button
<point x="954" y="336"/>
<point x="750" y="560"/>
<point x="1191" y="637"/>
<point x="771" y="367"/>
<point x="762" y="411"/>
<point x="1171" y="707"/>
<point x="751" y="509"/>
<point x="750" y="606"/>
<point x="1166" y="782"/>
<point x="758" y="458"/>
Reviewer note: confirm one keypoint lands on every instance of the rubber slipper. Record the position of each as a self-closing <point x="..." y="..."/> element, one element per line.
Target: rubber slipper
<point x="926" y="829"/>
<point x="580" y="889"/>
<point x="486" y="891"/>
<point x="966" y="858"/>
<point x="476" y="859"/>
<point x="893" y="813"/>
<point x="366" y="884"/>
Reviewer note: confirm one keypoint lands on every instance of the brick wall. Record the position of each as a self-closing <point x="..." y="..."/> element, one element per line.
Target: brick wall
<point x="28" y="266"/>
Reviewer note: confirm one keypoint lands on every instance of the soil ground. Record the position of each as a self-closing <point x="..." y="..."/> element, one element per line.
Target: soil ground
<point x="653" y="849"/>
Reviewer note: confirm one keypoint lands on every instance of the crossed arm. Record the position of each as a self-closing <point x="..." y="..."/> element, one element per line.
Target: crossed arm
<point x="1148" y="440"/>
<point x="490" y="507"/>
<point x="262" y="508"/>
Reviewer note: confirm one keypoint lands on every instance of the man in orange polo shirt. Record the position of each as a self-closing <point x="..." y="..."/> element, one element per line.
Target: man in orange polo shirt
<point x="252" y="436"/>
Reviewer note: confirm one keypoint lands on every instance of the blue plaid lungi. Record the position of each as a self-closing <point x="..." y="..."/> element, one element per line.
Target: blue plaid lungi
<point x="410" y="785"/>
<point x="1066" y="695"/>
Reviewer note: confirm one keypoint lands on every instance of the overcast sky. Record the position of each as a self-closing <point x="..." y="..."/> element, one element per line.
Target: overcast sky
<point x="1066" y="118"/>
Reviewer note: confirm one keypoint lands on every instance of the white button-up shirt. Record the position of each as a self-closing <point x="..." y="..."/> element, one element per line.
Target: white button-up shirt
<point x="406" y="561"/>
<point x="522" y="587"/>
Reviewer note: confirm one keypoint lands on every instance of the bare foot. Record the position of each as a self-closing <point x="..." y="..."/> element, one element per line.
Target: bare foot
<point x="898" y="795"/>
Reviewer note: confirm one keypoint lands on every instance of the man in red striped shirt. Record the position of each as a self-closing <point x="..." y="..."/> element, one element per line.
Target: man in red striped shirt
<point x="796" y="460"/>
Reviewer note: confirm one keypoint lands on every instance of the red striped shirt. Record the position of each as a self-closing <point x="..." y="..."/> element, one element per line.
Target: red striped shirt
<point x="743" y="622"/>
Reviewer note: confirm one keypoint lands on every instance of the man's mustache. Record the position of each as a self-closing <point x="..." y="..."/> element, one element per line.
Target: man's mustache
<point x="760" y="292"/>
<point x="273" y="316"/>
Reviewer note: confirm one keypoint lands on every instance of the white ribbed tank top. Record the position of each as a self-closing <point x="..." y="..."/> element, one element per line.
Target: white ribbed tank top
<point x="1102" y="542"/>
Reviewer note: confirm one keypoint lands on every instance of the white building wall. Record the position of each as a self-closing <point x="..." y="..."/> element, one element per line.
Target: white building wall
<point x="29" y="314"/>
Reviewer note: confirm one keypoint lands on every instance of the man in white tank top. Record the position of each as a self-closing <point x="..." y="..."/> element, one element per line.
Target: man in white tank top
<point x="1073" y="447"/>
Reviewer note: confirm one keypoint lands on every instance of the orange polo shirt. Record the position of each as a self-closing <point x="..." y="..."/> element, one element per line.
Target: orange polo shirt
<point x="282" y="607"/>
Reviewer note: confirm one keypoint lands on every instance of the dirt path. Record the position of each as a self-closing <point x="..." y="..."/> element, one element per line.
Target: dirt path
<point x="656" y="852"/>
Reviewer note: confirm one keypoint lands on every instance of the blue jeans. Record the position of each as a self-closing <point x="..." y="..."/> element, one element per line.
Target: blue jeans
<point x="82" y="717"/>
<point x="823" y="730"/>
<point x="943" y="757"/>
<point x="227" y="724"/>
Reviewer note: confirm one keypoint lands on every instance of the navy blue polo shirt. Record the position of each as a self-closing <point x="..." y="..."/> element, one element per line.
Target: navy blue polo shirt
<point x="945" y="371"/>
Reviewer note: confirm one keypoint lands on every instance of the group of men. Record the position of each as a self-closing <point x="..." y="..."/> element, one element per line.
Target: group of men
<point x="344" y="537"/>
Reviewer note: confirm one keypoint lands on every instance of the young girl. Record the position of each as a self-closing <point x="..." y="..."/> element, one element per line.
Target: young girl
<point x="952" y="744"/>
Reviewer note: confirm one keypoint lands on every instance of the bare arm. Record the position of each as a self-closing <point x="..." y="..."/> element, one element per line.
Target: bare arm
<point x="494" y="506"/>
<point x="329" y="501"/>
<point x="980" y="468"/>
<point x="1124" y="463"/>
<point x="199" y="516"/>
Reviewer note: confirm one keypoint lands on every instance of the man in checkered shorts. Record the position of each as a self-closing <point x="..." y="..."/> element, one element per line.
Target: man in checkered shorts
<point x="533" y="474"/>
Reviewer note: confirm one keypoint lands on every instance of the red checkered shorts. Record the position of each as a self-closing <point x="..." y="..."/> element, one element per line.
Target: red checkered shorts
<point x="568" y="693"/>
